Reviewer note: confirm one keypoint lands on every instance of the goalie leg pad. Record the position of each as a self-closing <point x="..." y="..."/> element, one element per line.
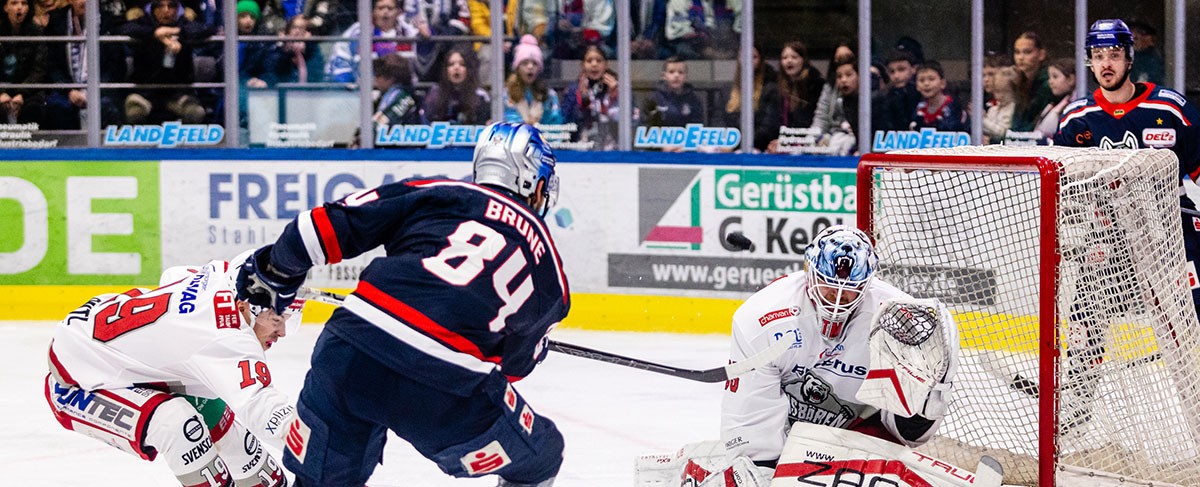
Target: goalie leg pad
<point x="117" y="417"/>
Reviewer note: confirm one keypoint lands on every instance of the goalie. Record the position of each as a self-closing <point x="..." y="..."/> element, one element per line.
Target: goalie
<point x="844" y="325"/>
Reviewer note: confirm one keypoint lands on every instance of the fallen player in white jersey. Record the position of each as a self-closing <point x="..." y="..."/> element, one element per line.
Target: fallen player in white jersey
<point x="150" y="372"/>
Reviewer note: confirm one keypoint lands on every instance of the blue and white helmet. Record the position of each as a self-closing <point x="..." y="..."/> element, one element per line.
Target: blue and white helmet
<point x="840" y="262"/>
<point x="1108" y="33"/>
<point x="514" y="156"/>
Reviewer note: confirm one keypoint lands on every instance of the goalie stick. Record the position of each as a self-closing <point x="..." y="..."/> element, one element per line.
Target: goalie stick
<point x="717" y="374"/>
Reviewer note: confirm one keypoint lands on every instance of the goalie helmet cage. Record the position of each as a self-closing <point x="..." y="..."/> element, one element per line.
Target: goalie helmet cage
<point x="1065" y="271"/>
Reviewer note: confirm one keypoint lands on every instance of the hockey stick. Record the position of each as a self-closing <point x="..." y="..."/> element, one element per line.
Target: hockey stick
<point x="718" y="374"/>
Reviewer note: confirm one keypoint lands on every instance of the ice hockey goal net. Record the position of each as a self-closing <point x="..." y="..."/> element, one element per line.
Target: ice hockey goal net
<point x="1066" y="274"/>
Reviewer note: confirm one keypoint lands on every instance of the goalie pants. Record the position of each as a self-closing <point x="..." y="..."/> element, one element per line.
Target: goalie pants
<point x="350" y="401"/>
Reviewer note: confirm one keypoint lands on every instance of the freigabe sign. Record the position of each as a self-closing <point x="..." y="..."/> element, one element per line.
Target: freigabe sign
<point x="79" y="223"/>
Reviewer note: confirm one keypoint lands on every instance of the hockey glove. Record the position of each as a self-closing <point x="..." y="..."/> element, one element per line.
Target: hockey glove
<point x="914" y="358"/>
<point x="259" y="284"/>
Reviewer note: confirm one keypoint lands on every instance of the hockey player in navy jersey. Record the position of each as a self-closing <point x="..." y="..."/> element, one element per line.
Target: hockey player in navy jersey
<point x="1124" y="114"/>
<point x="428" y="344"/>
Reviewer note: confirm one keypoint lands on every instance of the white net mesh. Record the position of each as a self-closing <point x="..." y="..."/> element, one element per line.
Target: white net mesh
<point x="1129" y="370"/>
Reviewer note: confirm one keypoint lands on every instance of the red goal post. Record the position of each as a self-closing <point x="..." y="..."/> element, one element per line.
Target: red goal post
<point x="1065" y="271"/>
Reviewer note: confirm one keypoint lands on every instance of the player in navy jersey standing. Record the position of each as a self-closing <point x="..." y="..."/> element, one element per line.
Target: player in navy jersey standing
<point x="1124" y="114"/>
<point x="429" y="342"/>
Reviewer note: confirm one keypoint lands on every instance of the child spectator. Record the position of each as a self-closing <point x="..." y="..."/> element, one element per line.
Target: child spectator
<point x="162" y="54"/>
<point x="998" y="118"/>
<point x="1030" y="58"/>
<point x="591" y="102"/>
<point x="21" y="62"/>
<point x="937" y="109"/>
<point x="529" y="99"/>
<point x="343" y="63"/>
<point x="992" y="62"/>
<point x="829" y="92"/>
<point x="799" y="91"/>
<point x="675" y="103"/>
<point x="839" y="125"/>
<point x="902" y="96"/>
<point x="250" y="54"/>
<point x="1062" y="85"/>
<point x="764" y="85"/>
<point x="457" y="98"/>
<point x="295" y="61"/>
<point x="394" y="80"/>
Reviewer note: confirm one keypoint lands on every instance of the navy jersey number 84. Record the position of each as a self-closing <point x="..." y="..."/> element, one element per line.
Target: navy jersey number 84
<point x="471" y="277"/>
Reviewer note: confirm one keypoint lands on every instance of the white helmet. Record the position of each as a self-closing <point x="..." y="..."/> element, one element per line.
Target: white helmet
<point x="514" y="156"/>
<point x="840" y="263"/>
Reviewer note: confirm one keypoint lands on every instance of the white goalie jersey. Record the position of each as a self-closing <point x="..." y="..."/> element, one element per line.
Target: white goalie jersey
<point x="185" y="337"/>
<point x="814" y="381"/>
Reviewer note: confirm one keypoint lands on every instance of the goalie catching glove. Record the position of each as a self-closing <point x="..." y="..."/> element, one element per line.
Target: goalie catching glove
<point x="914" y="358"/>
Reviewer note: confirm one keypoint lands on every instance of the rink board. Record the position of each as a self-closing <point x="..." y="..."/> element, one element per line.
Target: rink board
<point x="641" y="235"/>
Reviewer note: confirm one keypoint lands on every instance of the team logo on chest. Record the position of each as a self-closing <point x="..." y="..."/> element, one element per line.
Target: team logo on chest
<point x="1128" y="141"/>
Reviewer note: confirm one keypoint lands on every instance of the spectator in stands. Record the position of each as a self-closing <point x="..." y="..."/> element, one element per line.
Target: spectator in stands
<point x="295" y="61"/>
<point x="457" y="98"/>
<point x="162" y="54"/>
<point x="591" y="102"/>
<point x="937" y="109"/>
<point x="435" y="18"/>
<point x="582" y="24"/>
<point x="799" y="91"/>
<point x="21" y="62"/>
<point x="1148" y="64"/>
<point x="727" y="29"/>
<point x="1062" y="85"/>
<point x="649" y="41"/>
<point x="911" y="46"/>
<point x="385" y="16"/>
<point x="674" y="103"/>
<point x="529" y="99"/>
<point x="251" y="67"/>
<point x="481" y="25"/>
<point x="66" y="63"/>
<point x="398" y="105"/>
<point x="765" y="79"/>
<point x="829" y="92"/>
<point x="998" y="118"/>
<point x="992" y="62"/>
<point x="902" y="96"/>
<point x="1029" y="56"/>
<point x="688" y="26"/>
<point x="42" y="9"/>
<point x="839" y="124"/>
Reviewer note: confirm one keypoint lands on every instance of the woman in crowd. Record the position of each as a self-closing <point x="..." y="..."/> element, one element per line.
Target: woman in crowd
<point x="457" y="98"/>
<point x="765" y="79"/>
<point x="529" y="99"/>
<point x="591" y="101"/>
<point x="21" y="62"/>
<point x="1062" y="85"/>
<point x="1029" y="56"/>
<point x="799" y="90"/>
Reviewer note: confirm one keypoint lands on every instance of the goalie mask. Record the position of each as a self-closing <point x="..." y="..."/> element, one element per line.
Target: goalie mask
<point x="840" y="263"/>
